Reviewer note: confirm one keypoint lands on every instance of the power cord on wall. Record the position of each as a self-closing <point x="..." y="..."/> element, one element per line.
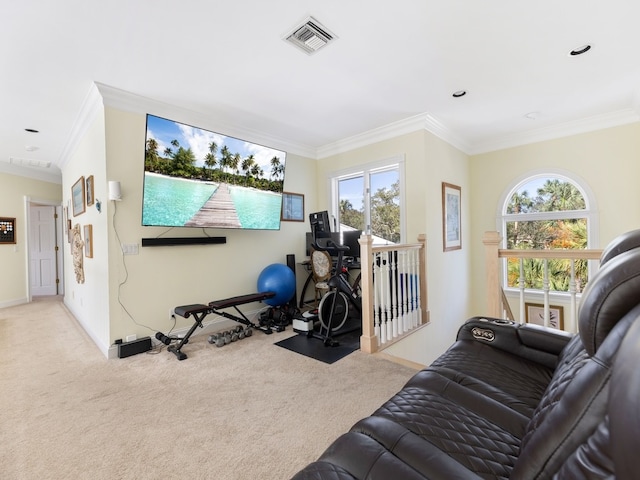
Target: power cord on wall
<point x="126" y="272"/>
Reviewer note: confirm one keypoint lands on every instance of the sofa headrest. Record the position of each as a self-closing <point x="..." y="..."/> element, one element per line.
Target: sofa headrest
<point x="624" y="414"/>
<point x="625" y="242"/>
<point x="612" y="292"/>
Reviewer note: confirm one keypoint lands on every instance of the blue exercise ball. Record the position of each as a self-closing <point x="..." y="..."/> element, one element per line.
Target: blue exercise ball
<point x="278" y="278"/>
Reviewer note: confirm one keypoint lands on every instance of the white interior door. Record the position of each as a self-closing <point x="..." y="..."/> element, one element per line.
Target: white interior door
<point x="42" y="251"/>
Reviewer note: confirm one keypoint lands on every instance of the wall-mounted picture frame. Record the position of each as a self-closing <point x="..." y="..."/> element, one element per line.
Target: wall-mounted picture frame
<point x="77" y="197"/>
<point x="534" y="313"/>
<point x="7" y="230"/>
<point x="90" y="195"/>
<point x="292" y="207"/>
<point x="451" y="217"/>
<point x="88" y="241"/>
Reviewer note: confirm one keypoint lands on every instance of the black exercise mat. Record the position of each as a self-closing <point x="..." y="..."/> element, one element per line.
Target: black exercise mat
<point x="315" y="348"/>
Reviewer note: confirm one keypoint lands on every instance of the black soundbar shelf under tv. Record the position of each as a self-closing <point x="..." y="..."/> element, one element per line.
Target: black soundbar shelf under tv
<point x="166" y="241"/>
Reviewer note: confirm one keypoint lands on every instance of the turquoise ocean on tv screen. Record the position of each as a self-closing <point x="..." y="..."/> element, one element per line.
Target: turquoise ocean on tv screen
<point x="170" y="201"/>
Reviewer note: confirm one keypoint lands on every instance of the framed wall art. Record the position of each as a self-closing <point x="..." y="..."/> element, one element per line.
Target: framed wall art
<point x="534" y="313"/>
<point x="451" y="217"/>
<point x="7" y="230"/>
<point x="292" y="207"/>
<point x="90" y="194"/>
<point x="88" y="241"/>
<point x="77" y="197"/>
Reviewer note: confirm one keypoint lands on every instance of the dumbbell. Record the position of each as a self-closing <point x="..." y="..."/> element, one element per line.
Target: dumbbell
<point x="218" y="339"/>
<point x="233" y="335"/>
<point x="239" y="331"/>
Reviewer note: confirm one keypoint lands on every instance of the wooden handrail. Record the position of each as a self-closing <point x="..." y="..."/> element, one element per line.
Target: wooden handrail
<point x="584" y="254"/>
<point x="493" y="254"/>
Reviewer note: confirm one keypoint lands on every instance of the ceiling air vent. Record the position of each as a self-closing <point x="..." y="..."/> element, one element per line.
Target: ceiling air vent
<point x="29" y="163"/>
<point x="310" y="37"/>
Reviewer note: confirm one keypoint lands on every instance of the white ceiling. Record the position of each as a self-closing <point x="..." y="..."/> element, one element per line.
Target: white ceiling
<point x="394" y="63"/>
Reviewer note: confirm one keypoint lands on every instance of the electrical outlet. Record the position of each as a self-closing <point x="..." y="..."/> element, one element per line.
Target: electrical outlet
<point x="131" y="338"/>
<point x="130" y="248"/>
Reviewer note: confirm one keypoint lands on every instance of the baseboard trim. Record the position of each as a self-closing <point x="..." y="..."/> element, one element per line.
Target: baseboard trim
<point x="13" y="303"/>
<point x="101" y="346"/>
<point x="218" y="324"/>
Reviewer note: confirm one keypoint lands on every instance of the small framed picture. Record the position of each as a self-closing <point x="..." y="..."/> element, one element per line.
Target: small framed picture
<point x="7" y="230"/>
<point x="77" y="197"/>
<point x="88" y="241"/>
<point x="90" y="196"/>
<point x="292" y="207"/>
<point x="451" y="217"/>
<point x="534" y="313"/>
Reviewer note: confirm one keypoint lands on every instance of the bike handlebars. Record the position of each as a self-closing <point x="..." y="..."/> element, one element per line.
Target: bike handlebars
<point x="331" y="245"/>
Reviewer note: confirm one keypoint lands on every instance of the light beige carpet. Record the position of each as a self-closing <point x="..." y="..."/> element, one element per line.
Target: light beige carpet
<point x="249" y="410"/>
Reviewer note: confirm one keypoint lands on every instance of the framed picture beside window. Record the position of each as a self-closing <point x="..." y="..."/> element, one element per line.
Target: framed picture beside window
<point x="292" y="207"/>
<point x="451" y="217"/>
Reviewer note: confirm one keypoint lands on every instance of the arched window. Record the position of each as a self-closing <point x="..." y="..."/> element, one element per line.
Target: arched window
<point x="547" y="211"/>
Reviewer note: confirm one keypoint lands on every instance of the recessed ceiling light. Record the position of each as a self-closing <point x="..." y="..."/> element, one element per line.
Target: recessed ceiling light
<point x="580" y="50"/>
<point x="532" y="115"/>
<point x="31" y="148"/>
<point x="459" y="93"/>
<point x="31" y="130"/>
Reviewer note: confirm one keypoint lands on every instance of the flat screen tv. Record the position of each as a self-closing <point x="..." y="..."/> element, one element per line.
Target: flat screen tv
<point x="198" y="178"/>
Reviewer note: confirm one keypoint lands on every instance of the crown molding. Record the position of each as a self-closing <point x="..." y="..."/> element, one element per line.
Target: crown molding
<point x="52" y="175"/>
<point x="584" y="125"/>
<point x="130" y="102"/>
<point x="91" y="106"/>
<point x="104" y="95"/>
<point x="423" y="121"/>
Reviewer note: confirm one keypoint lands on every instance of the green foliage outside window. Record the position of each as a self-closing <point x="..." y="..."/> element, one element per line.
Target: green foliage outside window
<point x="566" y="233"/>
<point x="385" y="213"/>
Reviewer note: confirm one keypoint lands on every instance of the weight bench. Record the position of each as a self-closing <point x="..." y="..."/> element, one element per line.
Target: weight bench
<point x="200" y="311"/>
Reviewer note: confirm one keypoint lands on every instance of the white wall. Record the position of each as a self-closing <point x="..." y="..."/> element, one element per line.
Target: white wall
<point x="13" y="258"/>
<point x="161" y="278"/>
<point x="89" y="301"/>
<point x="429" y="161"/>
<point x="607" y="160"/>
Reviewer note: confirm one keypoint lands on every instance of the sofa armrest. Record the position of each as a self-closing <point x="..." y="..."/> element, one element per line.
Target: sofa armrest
<point x="542" y="338"/>
<point x="533" y="342"/>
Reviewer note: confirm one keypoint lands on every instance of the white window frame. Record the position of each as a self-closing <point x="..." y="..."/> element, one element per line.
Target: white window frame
<point x="590" y="212"/>
<point x="365" y="170"/>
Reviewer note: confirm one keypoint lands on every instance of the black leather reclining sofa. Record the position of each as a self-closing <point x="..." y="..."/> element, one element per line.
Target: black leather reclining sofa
<point x="516" y="401"/>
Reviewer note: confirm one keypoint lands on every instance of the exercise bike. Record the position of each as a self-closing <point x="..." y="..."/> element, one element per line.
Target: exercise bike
<point x="333" y="309"/>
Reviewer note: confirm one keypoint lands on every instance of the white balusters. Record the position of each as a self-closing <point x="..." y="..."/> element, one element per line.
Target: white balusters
<point x="396" y="292"/>
<point x="393" y="288"/>
<point x="521" y="285"/>
<point x="573" y="310"/>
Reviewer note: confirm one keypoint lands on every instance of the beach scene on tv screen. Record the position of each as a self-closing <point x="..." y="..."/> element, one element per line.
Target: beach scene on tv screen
<point x="198" y="178"/>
